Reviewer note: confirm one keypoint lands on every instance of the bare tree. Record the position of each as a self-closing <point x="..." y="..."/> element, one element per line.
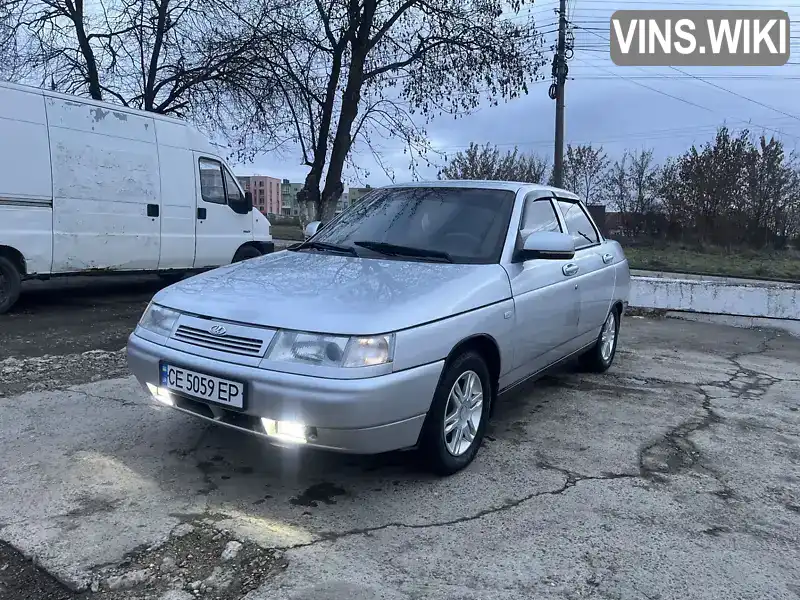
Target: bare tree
<point x="584" y="171"/>
<point x="363" y="71"/>
<point x="487" y="162"/>
<point x="189" y="58"/>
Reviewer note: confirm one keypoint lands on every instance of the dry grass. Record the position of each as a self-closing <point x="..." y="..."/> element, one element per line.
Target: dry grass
<point x="783" y="265"/>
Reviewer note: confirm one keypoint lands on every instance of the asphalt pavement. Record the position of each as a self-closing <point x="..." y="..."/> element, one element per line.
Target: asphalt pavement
<point x="674" y="475"/>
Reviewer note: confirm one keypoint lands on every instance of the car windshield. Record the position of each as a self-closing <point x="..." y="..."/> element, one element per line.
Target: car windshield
<point x="461" y="225"/>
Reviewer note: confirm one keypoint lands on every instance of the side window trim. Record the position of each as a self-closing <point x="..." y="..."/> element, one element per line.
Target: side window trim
<point x="583" y="209"/>
<point x="222" y="176"/>
<point x="226" y="171"/>
<point x="537" y="197"/>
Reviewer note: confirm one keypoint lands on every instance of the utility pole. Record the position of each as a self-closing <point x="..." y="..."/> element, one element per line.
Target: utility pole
<point x="557" y="93"/>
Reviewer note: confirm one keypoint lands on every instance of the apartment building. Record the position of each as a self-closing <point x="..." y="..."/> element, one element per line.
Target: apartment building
<point x="289" y="197"/>
<point x="266" y="192"/>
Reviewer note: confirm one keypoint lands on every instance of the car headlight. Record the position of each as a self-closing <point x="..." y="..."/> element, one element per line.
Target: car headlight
<point x="159" y="319"/>
<point x="331" y="350"/>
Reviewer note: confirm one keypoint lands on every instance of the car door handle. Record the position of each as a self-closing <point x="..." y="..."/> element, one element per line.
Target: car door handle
<point x="569" y="269"/>
<point x="608" y="257"/>
<point x="201" y="213"/>
<point x="152" y="210"/>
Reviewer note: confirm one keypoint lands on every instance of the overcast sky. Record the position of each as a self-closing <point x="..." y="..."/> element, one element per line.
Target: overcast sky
<point x="608" y="105"/>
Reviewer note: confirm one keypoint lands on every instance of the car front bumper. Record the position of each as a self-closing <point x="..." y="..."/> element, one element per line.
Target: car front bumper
<point x="359" y="416"/>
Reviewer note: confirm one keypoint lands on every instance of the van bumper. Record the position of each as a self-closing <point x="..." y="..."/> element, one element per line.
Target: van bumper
<point x="359" y="416"/>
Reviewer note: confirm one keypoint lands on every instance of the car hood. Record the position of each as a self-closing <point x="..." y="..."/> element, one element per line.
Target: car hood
<point x="337" y="294"/>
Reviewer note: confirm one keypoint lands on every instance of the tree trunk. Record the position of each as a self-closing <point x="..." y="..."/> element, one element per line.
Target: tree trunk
<point x="152" y="70"/>
<point x="348" y="112"/>
<point x="92" y="76"/>
<point x="309" y="197"/>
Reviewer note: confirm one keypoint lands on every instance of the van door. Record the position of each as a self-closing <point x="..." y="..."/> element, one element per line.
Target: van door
<point x="179" y="206"/>
<point x="220" y="230"/>
<point x="106" y="198"/>
<point x="26" y="190"/>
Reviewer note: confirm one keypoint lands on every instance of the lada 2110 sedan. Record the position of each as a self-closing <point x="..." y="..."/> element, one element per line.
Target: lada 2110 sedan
<point x="394" y="326"/>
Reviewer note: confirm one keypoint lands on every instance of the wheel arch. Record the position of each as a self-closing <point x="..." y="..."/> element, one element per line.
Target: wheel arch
<point x="488" y="348"/>
<point x="16" y="257"/>
<point x="247" y="244"/>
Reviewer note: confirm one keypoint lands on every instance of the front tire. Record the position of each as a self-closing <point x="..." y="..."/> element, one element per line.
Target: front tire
<point x="245" y="253"/>
<point x="456" y="423"/>
<point x="599" y="358"/>
<point x="10" y="284"/>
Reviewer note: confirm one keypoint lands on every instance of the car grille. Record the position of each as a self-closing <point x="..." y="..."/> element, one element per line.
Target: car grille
<point x="228" y="343"/>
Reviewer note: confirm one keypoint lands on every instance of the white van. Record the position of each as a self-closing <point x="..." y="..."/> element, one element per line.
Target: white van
<point x="87" y="186"/>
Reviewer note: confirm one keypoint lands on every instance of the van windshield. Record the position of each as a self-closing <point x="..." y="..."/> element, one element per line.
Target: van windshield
<point x="463" y="225"/>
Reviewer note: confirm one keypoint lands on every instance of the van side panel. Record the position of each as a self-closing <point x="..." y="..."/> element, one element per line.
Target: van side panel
<point x="178" y="200"/>
<point x="26" y="190"/>
<point x="105" y="177"/>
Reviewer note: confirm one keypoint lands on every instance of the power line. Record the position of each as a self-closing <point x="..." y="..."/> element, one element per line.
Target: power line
<point x="719" y="87"/>
<point x="685" y="101"/>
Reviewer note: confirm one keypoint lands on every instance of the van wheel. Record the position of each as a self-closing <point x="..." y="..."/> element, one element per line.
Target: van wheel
<point x="599" y="358"/>
<point x="454" y="428"/>
<point x="10" y="284"/>
<point x="245" y="253"/>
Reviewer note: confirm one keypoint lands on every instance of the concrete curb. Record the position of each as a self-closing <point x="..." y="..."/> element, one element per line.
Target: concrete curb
<point x="746" y="299"/>
<point x="739" y="302"/>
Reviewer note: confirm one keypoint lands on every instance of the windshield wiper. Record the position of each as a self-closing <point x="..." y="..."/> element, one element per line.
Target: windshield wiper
<point x="327" y="247"/>
<point x="586" y="237"/>
<point x="397" y="250"/>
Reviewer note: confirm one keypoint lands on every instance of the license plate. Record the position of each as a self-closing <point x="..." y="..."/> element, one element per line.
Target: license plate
<point x="202" y="386"/>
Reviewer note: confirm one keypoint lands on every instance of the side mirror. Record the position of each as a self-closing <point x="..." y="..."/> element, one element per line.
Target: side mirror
<point x="242" y="206"/>
<point x="312" y="228"/>
<point x="547" y="245"/>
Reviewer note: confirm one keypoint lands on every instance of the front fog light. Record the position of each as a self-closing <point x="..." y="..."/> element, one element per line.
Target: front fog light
<point x="289" y="431"/>
<point x="161" y="394"/>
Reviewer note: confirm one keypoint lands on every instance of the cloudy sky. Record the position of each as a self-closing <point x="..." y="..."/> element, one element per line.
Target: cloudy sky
<point x="616" y="107"/>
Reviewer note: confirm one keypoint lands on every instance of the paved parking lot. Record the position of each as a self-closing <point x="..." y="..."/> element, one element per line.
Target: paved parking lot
<point x="674" y="475"/>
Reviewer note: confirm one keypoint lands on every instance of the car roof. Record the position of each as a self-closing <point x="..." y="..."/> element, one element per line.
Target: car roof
<point x="512" y="186"/>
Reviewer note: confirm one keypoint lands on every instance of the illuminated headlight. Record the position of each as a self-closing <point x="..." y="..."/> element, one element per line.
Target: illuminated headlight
<point x="331" y="350"/>
<point x="159" y="319"/>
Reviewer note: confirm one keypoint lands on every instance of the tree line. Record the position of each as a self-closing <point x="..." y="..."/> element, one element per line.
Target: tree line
<point x="735" y="190"/>
<point x="311" y="78"/>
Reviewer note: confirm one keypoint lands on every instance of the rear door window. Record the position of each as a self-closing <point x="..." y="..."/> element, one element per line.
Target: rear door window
<point x="579" y="226"/>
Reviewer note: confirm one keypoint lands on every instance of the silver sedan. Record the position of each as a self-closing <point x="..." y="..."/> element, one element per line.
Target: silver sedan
<point x="396" y="325"/>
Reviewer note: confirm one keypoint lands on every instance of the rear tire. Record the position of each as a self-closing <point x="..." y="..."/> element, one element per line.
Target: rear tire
<point x="245" y="253"/>
<point x="10" y="284"/>
<point x="599" y="358"/>
<point x="444" y="451"/>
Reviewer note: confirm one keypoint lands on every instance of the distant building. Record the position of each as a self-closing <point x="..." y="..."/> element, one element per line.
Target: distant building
<point x="343" y="202"/>
<point x="289" y="198"/>
<point x="354" y="194"/>
<point x="266" y="192"/>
